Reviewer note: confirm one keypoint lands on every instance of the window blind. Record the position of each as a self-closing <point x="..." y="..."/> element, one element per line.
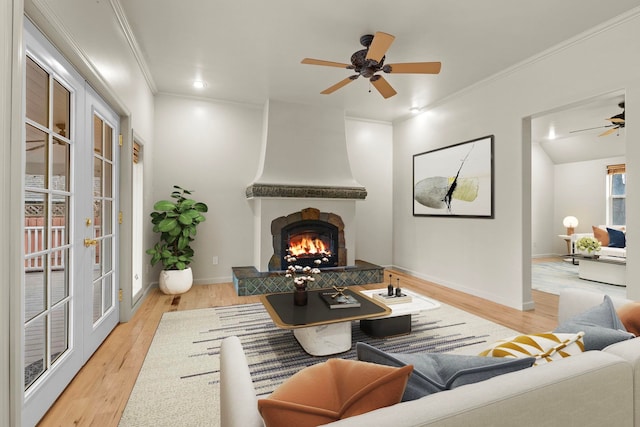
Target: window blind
<point x="613" y="169"/>
<point x="136" y="152"/>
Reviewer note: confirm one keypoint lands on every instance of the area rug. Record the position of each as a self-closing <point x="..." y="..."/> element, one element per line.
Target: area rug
<point x="179" y="380"/>
<point x="552" y="277"/>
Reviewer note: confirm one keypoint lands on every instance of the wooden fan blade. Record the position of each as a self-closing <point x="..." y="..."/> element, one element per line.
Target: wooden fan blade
<point x="379" y="45"/>
<point x="615" y="120"/>
<point x="415" y="68"/>
<point x="383" y="87"/>
<point x="340" y="84"/>
<point x="312" y="61"/>
<point x="608" y="132"/>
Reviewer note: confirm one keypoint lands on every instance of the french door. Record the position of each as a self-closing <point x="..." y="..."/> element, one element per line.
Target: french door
<point x="70" y="227"/>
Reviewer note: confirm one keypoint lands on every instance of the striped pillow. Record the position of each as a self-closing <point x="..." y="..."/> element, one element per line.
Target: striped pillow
<point x="544" y="347"/>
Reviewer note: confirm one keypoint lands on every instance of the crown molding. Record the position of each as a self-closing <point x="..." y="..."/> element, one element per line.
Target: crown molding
<point x="133" y="44"/>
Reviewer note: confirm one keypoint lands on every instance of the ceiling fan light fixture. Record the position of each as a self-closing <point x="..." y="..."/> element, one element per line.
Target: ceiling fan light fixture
<point x="369" y="61"/>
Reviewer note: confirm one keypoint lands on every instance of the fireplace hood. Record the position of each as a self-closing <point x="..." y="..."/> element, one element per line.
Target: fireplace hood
<point x="304" y="154"/>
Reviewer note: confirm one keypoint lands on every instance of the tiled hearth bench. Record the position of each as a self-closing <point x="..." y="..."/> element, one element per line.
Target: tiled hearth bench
<point x="250" y="281"/>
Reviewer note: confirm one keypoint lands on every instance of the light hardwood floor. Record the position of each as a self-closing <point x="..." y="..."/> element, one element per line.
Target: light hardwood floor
<point x="98" y="394"/>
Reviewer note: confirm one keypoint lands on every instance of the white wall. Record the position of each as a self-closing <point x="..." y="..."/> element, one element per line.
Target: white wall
<point x="543" y="241"/>
<point x="370" y="147"/>
<point x="490" y="258"/>
<point x="214" y="148"/>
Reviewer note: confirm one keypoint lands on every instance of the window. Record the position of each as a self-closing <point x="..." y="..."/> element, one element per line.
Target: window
<point x="616" y="194"/>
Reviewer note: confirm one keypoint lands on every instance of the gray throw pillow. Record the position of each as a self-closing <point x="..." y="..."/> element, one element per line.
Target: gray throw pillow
<point x="435" y="372"/>
<point x="600" y="324"/>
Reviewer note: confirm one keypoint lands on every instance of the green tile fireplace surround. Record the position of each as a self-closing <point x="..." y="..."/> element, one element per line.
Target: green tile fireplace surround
<point x="249" y="281"/>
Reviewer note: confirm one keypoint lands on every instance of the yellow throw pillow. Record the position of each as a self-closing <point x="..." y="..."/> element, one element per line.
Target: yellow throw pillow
<point x="544" y="347"/>
<point x="333" y="390"/>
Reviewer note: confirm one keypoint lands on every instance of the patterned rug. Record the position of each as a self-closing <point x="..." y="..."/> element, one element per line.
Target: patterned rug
<point x="551" y="277"/>
<point x="178" y="383"/>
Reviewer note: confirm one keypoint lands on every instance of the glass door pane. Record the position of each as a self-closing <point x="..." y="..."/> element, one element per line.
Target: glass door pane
<point x="47" y="199"/>
<point x="104" y="215"/>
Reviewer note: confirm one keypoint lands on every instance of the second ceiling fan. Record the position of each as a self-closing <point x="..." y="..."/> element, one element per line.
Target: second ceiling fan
<point x="617" y="122"/>
<point x="369" y="61"/>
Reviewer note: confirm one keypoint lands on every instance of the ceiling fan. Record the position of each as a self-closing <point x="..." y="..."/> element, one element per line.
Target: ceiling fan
<point x="617" y="122"/>
<point x="369" y="61"/>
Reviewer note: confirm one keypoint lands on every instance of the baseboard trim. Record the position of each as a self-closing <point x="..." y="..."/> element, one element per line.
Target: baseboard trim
<point x="525" y="306"/>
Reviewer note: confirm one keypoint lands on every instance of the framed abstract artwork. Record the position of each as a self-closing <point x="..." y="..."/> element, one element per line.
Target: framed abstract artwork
<point x="455" y="181"/>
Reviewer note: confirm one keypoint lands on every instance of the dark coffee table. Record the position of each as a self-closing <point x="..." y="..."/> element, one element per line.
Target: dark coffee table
<point x="319" y="329"/>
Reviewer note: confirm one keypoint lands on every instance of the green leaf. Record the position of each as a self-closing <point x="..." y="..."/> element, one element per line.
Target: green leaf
<point x="167" y="224"/>
<point x="185" y="219"/>
<point x="164" y="205"/>
<point x="187" y="203"/>
<point x="201" y="207"/>
<point x="182" y="242"/>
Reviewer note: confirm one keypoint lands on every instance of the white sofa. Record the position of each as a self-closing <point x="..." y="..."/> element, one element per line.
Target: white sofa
<point x="604" y="250"/>
<point x="595" y="388"/>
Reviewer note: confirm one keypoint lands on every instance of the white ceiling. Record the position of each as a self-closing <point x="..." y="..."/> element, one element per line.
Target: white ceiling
<point x="577" y="130"/>
<point x="250" y="50"/>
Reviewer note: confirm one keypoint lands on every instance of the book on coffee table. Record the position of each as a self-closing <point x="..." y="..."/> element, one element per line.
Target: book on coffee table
<point x="340" y="301"/>
<point x="392" y="299"/>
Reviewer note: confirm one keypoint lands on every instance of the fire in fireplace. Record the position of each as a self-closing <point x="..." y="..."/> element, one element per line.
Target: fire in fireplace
<point x="308" y="235"/>
<point x="310" y="240"/>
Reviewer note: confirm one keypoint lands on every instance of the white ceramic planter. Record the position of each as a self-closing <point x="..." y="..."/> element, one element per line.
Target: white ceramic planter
<point x="176" y="281"/>
<point x="587" y="253"/>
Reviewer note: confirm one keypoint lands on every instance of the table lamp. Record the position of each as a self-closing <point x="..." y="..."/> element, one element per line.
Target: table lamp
<point x="571" y="222"/>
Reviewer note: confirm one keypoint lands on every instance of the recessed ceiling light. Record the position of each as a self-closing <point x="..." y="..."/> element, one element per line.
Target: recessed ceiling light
<point x="415" y="110"/>
<point x="199" y="84"/>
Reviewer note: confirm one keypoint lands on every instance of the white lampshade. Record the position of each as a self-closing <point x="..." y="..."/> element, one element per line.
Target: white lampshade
<point x="570" y="221"/>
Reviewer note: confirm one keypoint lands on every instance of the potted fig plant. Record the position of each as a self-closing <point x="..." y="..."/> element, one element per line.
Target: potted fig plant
<point x="176" y="221"/>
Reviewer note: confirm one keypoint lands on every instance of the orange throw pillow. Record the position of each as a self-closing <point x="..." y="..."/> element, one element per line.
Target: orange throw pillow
<point x="629" y="315"/>
<point x="333" y="390"/>
<point x="601" y="235"/>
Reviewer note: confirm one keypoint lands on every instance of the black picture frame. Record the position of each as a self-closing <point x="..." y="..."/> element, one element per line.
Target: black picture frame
<point x="455" y="181"/>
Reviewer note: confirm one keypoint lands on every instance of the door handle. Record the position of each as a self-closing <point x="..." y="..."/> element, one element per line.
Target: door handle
<point x="90" y="242"/>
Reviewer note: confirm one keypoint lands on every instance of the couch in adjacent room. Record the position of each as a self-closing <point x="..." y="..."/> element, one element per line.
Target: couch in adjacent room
<point x="612" y="239"/>
<point x="593" y="388"/>
<point x="610" y="264"/>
